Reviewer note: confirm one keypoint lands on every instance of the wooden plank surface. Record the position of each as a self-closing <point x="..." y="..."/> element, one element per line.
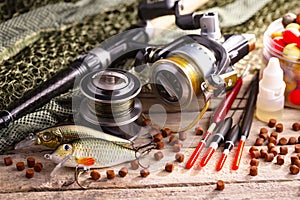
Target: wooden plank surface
<point x="191" y="184"/>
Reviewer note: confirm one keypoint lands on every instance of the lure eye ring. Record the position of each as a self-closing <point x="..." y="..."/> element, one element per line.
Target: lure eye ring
<point x="47" y="136"/>
<point x="67" y="147"/>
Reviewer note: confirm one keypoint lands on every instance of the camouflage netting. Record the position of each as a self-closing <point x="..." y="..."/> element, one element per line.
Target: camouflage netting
<point x="50" y="50"/>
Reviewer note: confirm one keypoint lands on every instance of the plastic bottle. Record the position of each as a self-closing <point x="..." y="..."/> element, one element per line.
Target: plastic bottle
<point x="270" y="99"/>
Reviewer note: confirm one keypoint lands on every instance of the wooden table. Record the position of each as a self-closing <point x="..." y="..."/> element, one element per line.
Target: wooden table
<point x="272" y="181"/>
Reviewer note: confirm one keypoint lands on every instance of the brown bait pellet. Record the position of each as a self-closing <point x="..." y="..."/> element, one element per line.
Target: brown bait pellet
<point x="263" y="130"/>
<point x="157" y="137"/>
<point x="146" y="122"/>
<point x="272" y="123"/>
<point x="166" y="132"/>
<point x="274" y="134"/>
<point x="259" y="142"/>
<point x="123" y="172"/>
<point x="299" y="139"/>
<point x="293" y="159"/>
<point x="274" y="151"/>
<point x="158" y="155"/>
<point x="279" y="127"/>
<point x="110" y="174"/>
<point x="297" y="163"/>
<point x="298" y="18"/>
<point x="8" y="161"/>
<point x="95" y="175"/>
<point x="254" y="162"/>
<point x="29" y="173"/>
<point x="253" y="171"/>
<point x="220" y="185"/>
<point x="182" y="136"/>
<point x="179" y="142"/>
<point x="169" y="167"/>
<point x="283" y="150"/>
<point x="280" y="160"/>
<point x="283" y="141"/>
<point x="160" y="145"/>
<point x="20" y="166"/>
<point x="296" y="126"/>
<point x="271" y="145"/>
<point x="292" y="140"/>
<point x="172" y="139"/>
<point x="199" y="130"/>
<point x="176" y="148"/>
<point x="269" y="157"/>
<point x="255" y="154"/>
<point x="297" y="148"/>
<point x="179" y="157"/>
<point x="38" y="167"/>
<point x="30" y="162"/>
<point x="272" y="140"/>
<point x="264" y="136"/>
<point x="253" y="148"/>
<point x="144" y="173"/>
<point x="263" y="153"/>
<point x="134" y="164"/>
<point x="294" y="169"/>
<point x="298" y="154"/>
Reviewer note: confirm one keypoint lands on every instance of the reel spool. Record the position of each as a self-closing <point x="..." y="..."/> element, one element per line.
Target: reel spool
<point x="110" y="101"/>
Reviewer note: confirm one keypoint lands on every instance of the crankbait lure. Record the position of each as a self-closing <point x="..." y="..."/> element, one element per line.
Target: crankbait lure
<point x="55" y="136"/>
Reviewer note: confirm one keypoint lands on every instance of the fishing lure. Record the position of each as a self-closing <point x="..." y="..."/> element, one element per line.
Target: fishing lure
<point x="55" y="136"/>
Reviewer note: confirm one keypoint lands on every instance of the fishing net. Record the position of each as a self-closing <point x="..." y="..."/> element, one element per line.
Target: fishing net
<point x="31" y="53"/>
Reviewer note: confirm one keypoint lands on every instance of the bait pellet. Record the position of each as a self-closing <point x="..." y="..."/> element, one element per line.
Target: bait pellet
<point x="253" y="148"/>
<point x="110" y="174"/>
<point x="255" y="154"/>
<point x="297" y="163"/>
<point x="264" y="136"/>
<point x="179" y="142"/>
<point x="220" y="185"/>
<point x="30" y="162"/>
<point x="146" y="122"/>
<point x="292" y="140"/>
<point x="179" y="157"/>
<point x="272" y="140"/>
<point x="263" y="130"/>
<point x="134" y="164"/>
<point x="274" y="151"/>
<point x="172" y="139"/>
<point x="283" y="150"/>
<point x="123" y="172"/>
<point x="299" y="139"/>
<point x="176" y="148"/>
<point x="298" y="18"/>
<point x="158" y="155"/>
<point x="298" y="155"/>
<point x="144" y="173"/>
<point x="263" y="153"/>
<point x="157" y="137"/>
<point x="199" y="130"/>
<point x="293" y="159"/>
<point x="38" y="167"/>
<point x="297" y="148"/>
<point x="280" y="160"/>
<point x="274" y="134"/>
<point x="259" y="142"/>
<point x="166" y="132"/>
<point x="296" y="126"/>
<point x="29" y="173"/>
<point x="272" y="123"/>
<point x="269" y="157"/>
<point x="253" y="171"/>
<point x="8" y="161"/>
<point x="182" y="136"/>
<point x="95" y="175"/>
<point x="20" y="166"/>
<point x="283" y="141"/>
<point x="294" y="169"/>
<point x="271" y="145"/>
<point x="160" y="145"/>
<point x="279" y="127"/>
<point x="254" y="162"/>
<point x="169" y="167"/>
